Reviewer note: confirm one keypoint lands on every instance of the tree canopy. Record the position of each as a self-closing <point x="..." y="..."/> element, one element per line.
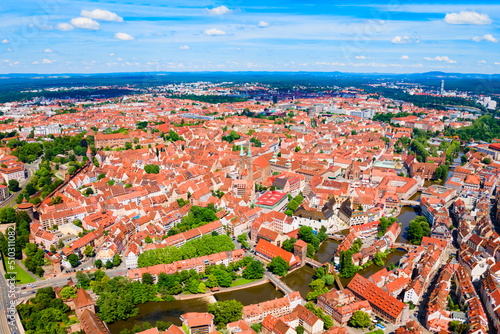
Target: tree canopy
<point x="419" y="227"/>
<point x="278" y="266"/>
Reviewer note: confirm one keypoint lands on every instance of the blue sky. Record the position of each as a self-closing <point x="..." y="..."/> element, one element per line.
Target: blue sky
<point x="57" y="36"/>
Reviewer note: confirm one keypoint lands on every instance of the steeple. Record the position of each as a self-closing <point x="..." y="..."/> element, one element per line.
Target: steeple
<point x="242" y="153"/>
<point x="274" y="159"/>
<point x="249" y="153"/>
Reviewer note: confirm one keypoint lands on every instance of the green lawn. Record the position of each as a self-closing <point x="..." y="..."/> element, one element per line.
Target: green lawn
<point x="22" y="277"/>
<point x="241" y="281"/>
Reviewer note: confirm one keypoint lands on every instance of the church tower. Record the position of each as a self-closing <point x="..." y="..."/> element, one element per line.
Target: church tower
<point x="242" y="161"/>
<point x="249" y="163"/>
<point x="149" y="132"/>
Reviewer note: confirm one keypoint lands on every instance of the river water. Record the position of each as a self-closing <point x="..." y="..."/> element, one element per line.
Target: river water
<point x="298" y="280"/>
<point x="407" y="214"/>
<point x="171" y="311"/>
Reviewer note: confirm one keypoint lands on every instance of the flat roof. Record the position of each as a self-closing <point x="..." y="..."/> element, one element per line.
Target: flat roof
<point x="270" y="198"/>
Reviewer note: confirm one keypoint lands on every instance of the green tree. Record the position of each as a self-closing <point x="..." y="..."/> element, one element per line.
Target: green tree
<point x="360" y="319"/>
<point x="211" y="281"/>
<point x="98" y="263"/>
<point x="56" y="200"/>
<point x="300" y="329"/>
<point x="8" y="215"/>
<point x="89" y="251"/>
<point x="116" y="260"/>
<point x="73" y="260"/>
<point x="162" y="326"/>
<point x="30" y="189"/>
<point x="68" y="292"/>
<point x="320" y="272"/>
<point x="306" y="233"/>
<point x="254" y="271"/>
<point x="108" y="264"/>
<point x="202" y="288"/>
<point x="225" y="312"/>
<point x="147" y="278"/>
<point x="257" y="327"/>
<point x="329" y="279"/>
<point x="318" y="286"/>
<point x="379" y="257"/>
<point x="384" y="224"/>
<point x="83" y="279"/>
<point x="288" y="244"/>
<point x="278" y="266"/>
<point x="13" y="186"/>
<point x="223" y="277"/>
<point x="419" y="227"/>
<point x="347" y="268"/>
<point x="152" y="169"/>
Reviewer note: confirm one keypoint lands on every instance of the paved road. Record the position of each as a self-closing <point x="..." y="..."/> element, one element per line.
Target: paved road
<point x="31" y="169"/>
<point x="8" y="294"/>
<point x="61" y="281"/>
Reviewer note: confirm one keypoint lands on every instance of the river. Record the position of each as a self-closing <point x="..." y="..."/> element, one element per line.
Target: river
<point x="297" y="280"/>
<point x="171" y="311"/>
<point x="407" y="214"/>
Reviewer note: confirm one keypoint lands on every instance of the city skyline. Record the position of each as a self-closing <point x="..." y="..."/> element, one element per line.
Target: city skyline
<point x="103" y="37"/>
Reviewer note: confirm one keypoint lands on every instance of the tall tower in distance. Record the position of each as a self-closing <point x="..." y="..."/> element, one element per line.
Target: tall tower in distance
<point x="442" y="87"/>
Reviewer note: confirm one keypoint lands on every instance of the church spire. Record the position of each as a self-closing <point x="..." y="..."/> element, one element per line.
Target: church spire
<point x="249" y="153"/>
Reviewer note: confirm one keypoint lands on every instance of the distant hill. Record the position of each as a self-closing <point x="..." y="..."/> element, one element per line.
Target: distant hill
<point x="477" y="83"/>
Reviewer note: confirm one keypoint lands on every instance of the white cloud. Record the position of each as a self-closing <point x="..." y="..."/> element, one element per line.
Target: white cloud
<point x="486" y="37"/>
<point x="9" y="49"/>
<point x="360" y="57"/>
<point x="111" y="54"/>
<point x="64" y="27"/>
<point x="35" y="62"/>
<point x="219" y="10"/>
<point x="214" y="32"/>
<point x="102" y="15"/>
<point x="5" y="41"/>
<point x="497" y="63"/>
<point x="404" y="57"/>
<point x="46" y="61"/>
<point x="123" y="36"/>
<point x="404" y="40"/>
<point x="48" y="50"/>
<point x="85" y="23"/>
<point x="264" y="24"/>
<point x="467" y="17"/>
<point x="441" y="58"/>
<point x="482" y="61"/>
<point x="184" y="47"/>
<point x="119" y="59"/>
